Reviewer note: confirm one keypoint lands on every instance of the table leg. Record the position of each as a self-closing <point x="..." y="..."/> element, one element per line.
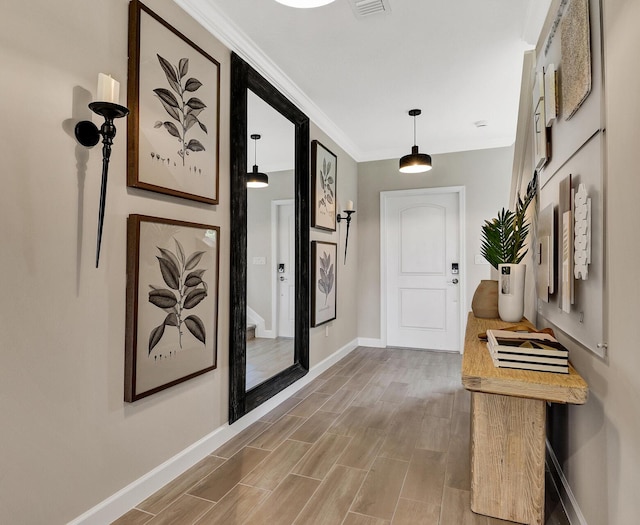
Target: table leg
<point x="507" y="457"/>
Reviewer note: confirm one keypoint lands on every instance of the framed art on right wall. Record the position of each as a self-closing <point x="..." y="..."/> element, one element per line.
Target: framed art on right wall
<point x="323" y="284"/>
<point x="323" y="187"/>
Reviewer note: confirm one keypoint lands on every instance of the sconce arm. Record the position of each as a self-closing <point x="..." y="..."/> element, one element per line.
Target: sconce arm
<point x="348" y="219"/>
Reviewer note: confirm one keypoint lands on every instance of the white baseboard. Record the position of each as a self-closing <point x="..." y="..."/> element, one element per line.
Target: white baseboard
<point x="127" y="498"/>
<point x="373" y="343"/>
<point x="567" y="497"/>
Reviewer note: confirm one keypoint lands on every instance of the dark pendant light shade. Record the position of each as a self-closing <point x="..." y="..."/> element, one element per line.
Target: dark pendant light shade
<point x="415" y="162"/>
<point x="255" y="179"/>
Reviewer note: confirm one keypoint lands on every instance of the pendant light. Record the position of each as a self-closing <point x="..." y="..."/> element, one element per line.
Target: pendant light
<point x="415" y="162"/>
<point x="304" y="3"/>
<point x="255" y="179"/>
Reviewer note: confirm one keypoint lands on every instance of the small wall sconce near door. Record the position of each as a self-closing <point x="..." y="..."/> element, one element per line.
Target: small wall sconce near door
<point x="349" y="211"/>
<point x="88" y="134"/>
<point x="255" y="179"/>
<point x="415" y="162"/>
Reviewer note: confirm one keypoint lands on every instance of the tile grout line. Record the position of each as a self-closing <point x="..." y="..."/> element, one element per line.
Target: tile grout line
<point x="186" y="492"/>
<point x="356" y="495"/>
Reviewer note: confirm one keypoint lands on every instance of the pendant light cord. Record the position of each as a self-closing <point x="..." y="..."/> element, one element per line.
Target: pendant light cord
<point x="255" y="151"/>
<point x="415" y="142"/>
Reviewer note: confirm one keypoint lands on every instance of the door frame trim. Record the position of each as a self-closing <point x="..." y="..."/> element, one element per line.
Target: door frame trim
<point x="275" y="311"/>
<point x="462" y="298"/>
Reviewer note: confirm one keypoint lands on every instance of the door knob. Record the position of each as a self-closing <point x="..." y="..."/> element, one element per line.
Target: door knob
<point x="453" y="281"/>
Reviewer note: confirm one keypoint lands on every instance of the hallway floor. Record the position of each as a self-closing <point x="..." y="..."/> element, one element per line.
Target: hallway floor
<point x="380" y="438"/>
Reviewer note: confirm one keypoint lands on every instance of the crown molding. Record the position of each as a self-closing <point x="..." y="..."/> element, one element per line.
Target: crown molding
<point x="220" y="26"/>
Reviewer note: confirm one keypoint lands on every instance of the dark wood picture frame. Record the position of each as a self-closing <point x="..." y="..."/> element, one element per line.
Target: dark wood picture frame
<point x="324" y="181"/>
<point x="324" y="282"/>
<point x="174" y="121"/>
<point x="172" y="303"/>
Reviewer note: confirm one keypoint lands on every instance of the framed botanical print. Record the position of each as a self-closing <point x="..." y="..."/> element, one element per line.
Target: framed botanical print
<point x="323" y="284"/>
<point x="174" y="98"/>
<point x="172" y="303"/>
<point x="323" y="187"/>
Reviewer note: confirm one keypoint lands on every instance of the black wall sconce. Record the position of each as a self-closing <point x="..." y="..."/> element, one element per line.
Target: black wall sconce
<point x="88" y="134"/>
<point x="349" y="211"/>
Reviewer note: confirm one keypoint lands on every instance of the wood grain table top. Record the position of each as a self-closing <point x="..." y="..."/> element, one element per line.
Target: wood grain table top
<point x="480" y="375"/>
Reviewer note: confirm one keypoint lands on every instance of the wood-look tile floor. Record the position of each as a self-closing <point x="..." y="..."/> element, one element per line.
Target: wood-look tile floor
<point x="267" y="357"/>
<point x="380" y="438"/>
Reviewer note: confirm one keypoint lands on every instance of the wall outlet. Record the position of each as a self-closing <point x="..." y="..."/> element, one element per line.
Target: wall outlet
<point x="326" y="331"/>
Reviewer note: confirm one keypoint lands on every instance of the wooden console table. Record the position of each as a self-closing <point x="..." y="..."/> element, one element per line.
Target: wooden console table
<point x="508" y="416"/>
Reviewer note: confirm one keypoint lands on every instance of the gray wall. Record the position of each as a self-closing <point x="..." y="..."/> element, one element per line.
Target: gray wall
<point x="325" y="339"/>
<point x="62" y="321"/>
<point x="597" y="443"/>
<point x="485" y="174"/>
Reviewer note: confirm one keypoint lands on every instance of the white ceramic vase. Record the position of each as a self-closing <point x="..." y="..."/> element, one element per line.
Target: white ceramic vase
<point x="511" y="292"/>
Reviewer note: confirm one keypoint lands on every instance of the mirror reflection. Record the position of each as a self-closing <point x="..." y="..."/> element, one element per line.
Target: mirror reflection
<point x="246" y="82"/>
<point x="270" y="243"/>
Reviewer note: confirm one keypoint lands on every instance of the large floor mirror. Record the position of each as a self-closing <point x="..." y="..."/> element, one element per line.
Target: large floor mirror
<point x="269" y="336"/>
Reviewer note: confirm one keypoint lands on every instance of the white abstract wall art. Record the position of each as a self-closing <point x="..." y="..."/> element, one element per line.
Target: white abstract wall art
<point x="575" y="44"/>
<point x="550" y="94"/>
<point x="582" y="234"/>
<point x="539" y="127"/>
<point x="545" y="281"/>
<point x="567" y="278"/>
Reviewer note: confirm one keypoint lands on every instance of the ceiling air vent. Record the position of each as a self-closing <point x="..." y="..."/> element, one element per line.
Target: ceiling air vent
<point x="362" y="8"/>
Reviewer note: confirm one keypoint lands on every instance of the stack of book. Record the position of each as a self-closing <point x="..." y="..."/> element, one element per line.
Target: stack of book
<point x="527" y="351"/>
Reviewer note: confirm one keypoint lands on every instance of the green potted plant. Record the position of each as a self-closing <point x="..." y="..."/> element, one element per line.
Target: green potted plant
<point x="503" y="245"/>
<point x="504" y="237"/>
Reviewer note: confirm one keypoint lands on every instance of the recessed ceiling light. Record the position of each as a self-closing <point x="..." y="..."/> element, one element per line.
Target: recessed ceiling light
<point x="304" y="3"/>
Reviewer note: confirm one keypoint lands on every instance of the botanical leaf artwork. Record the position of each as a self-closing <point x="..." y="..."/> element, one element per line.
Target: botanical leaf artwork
<point x="185" y="291"/>
<point x="327" y="276"/>
<point x="183" y="108"/>
<point x="326" y="182"/>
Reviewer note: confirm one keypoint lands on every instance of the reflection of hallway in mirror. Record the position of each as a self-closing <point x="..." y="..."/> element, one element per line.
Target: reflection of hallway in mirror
<point x="267" y="357"/>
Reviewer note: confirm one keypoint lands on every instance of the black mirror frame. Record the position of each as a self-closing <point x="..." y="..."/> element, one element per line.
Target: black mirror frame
<point x="241" y="401"/>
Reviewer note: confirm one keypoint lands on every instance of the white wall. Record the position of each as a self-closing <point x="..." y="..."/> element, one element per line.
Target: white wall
<point x="485" y="174"/>
<point x="68" y="440"/>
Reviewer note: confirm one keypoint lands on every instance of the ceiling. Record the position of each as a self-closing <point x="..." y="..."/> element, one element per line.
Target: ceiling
<point x="460" y="61"/>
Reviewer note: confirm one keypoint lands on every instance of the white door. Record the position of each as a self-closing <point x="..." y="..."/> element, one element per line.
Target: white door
<point x="285" y="268"/>
<point x="422" y="241"/>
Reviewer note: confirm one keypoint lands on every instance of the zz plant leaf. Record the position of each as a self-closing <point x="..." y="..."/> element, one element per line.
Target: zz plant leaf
<point x="183" y="108"/>
<point x="186" y="290"/>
